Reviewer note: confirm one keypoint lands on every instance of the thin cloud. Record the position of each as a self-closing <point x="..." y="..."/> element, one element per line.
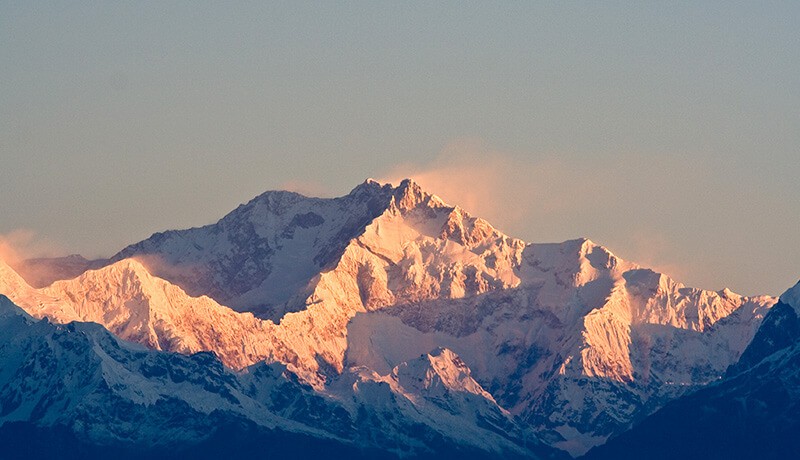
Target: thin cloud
<point x="483" y="181"/>
<point x="545" y="198"/>
<point x="655" y="251"/>
<point x="20" y="244"/>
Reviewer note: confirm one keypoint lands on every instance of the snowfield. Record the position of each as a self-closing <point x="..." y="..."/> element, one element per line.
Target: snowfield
<point x="411" y="322"/>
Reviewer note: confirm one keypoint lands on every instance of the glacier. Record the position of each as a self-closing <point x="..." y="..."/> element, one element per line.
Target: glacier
<point x="392" y="301"/>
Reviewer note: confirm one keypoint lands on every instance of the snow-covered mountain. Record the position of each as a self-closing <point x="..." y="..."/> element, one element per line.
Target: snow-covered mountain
<point x="265" y="252"/>
<point x="136" y="306"/>
<point x="109" y="392"/>
<point x="389" y="292"/>
<point x="585" y="345"/>
<point x="753" y="413"/>
<point x="79" y="381"/>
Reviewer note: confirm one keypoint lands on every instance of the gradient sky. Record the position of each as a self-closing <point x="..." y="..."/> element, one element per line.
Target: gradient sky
<point x="666" y="131"/>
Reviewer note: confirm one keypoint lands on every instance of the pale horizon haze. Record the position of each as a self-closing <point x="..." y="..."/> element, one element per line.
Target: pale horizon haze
<point x="667" y="132"/>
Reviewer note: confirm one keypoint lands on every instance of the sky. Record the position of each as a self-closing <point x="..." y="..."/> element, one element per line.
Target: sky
<point x="665" y="131"/>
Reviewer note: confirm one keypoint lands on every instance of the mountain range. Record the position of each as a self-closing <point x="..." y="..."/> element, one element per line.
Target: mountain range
<point x="384" y="322"/>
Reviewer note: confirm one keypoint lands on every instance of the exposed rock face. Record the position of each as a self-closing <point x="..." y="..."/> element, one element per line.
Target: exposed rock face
<point x="564" y="340"/>
<point x="262" y="254"/>
<point x="751" y="413"/>
<point x="82" y="388"/>
<point x="584" y="345"/>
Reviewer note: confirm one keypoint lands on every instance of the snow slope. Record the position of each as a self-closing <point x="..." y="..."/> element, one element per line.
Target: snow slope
<point x="567" y="338"/>
<point x="585" y="345"/>
<point x="752" y="413"/>
<point x="138" y="307"/>
<point x="81" y="376"/>
<point x="265" y="252"/>
<point x="110" y="395"/>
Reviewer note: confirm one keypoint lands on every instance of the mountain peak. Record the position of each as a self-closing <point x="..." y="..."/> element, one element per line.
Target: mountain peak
<point x="404" y="197"/>
<point x="792" y="296"/>
<point x="129" y="268"/>
<point x="369" y="187"/>
<point x="131" y="264"/>
<point x="410" y="195"/>
<point x="439" y="368"/>
<point x="10" y="281"/>
<point x="588" y="246"/>
<point x="276" y="201"/>
<point x="595" y="255"/>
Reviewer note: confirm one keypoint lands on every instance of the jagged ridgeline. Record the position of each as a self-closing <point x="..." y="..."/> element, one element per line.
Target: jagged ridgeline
<point x="383" y="321"/>
<point x="753" y="412"/>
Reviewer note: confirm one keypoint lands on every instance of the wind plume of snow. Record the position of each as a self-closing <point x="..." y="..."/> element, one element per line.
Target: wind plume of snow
<point x="485" y="182"/>
<point x="20" y="244"/>
<point x="629" y="202"/>
<point x="654" y="250"/>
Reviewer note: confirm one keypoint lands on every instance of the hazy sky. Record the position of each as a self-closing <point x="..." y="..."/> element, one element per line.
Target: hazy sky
<point x="666" y="131"/>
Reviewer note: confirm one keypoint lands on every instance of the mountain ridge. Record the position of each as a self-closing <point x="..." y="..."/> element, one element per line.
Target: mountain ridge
<point x="79" y="384"/>
<point x="751" y="413"/>
<point x="566" y="338"/>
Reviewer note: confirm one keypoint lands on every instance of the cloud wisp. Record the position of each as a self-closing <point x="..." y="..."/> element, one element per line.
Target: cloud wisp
<point x="626" y="204"/>
<point x="20" y="244"/>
